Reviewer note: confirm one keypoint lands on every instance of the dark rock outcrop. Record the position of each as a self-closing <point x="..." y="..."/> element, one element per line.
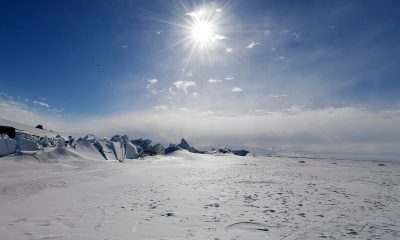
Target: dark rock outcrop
<point x="224" y="150"/>
<point x="147" y="148"/>
<point x="241" y="152"/>
<point x="185" y="145"/>
<point x="172" y="148"/>
<point x="155" y="149"/>
<point x="143" y="143"/>
<point x="119" y="138"/>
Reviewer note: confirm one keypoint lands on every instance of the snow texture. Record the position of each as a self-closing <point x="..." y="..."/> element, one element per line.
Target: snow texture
<point x="58" y="194"/>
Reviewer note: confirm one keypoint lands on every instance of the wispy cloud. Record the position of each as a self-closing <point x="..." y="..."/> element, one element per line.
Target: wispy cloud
<point x="217" y="37"/>
<point x="252" y="45"/>
<point x="214" y="81"/>
<point x="236" y="89"/>
<point x="162" y="108"/>
<point x="171" y="91"/>
<point x="151" y="83"/>
<point x="24" y="107"/>
<point x="195" y="14"/>
<point x="43" y="104"/>
<point x="267" y="32"/>
<point x="229" y="78"/>
<point x="6" y="95"/>
<point x="277" y="95"/>
<point x="21" y="113"/>
<point x="229" y="50"/>
<point x="184" y="85"/>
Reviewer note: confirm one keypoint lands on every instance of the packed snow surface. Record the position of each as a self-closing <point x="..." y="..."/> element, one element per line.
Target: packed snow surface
<point x="58" y="194"/>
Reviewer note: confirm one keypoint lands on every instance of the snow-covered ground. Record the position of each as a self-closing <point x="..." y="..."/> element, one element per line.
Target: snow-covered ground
<point x="60" y="195"/>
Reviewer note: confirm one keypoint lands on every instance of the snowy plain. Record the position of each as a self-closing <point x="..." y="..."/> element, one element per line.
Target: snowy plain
<point x="61" y="195"/>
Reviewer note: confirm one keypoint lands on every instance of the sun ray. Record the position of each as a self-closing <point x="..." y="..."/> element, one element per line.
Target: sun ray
<point x="174" y="44"/>
<point x="200" y="32"/>
<point x="190" y="55"/>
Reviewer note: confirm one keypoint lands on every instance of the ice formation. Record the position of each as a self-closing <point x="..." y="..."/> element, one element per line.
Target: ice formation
<point x="119" y="147"/>
<point x="7" y="145"/>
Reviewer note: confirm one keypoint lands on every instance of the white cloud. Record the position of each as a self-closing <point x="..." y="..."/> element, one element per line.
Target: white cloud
<point x="257" y="111"/>
<point x="26" y="110"/>
<point x="217" y="37"/>
<point x="229" y="50"/>
<point x="296" y="35"/>
<point x="20" y="113"/>
<point x="286" y="31"/>
<point x="184" y="85"/>
<point x="195" y="14"/>
<point x="277" y="95"/>
<point x="218" y="10"/>
<point x="267" y="32"/>
<point x="43" y="104"/>
<point x="236" y="89"/>
<point x="161" y="108"/>
<point x="195" y="94"/>
<point x="151" y="83"/>
<point x="214" y="81"/>
<point x="6" y="95"/>
<point x="229" y="78"/>
<point x="171" y="91"/>
<point x="282" y="57"/>
<point x="252" y="45"/>
<point x="58" y="110"/>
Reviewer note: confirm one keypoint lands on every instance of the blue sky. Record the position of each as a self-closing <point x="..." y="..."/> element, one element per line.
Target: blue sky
<point x="86" y="61"/>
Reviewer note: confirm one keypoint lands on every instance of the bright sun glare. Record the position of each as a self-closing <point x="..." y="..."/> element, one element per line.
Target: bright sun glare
<point x="203" y="27"/>
<point x="202" y="31"/>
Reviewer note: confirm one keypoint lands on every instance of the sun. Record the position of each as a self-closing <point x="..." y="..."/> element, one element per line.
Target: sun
<point x="203" y="29"/>
<point x="199" y="32"/>
<point x="202" y="32"/>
